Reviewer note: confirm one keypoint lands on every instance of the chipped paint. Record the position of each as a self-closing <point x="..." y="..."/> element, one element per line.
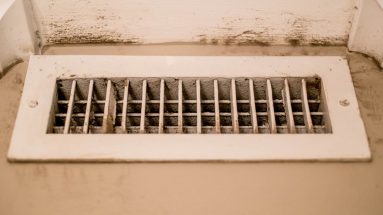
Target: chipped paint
<point x="232" y="22"/>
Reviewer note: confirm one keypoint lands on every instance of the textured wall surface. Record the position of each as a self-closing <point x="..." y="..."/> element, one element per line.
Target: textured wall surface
<point x="259" y="22"/>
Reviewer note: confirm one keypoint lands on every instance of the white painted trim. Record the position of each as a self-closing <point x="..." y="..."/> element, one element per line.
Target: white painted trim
<point x="4" y="6"/>
<point x="355" y="22"/>
<point x="17" y="42"/>
<point x="30" y="141"/>
<point x="205" y="21"/>
<point x="380" y="2"/>
<point x="366" y="34"/>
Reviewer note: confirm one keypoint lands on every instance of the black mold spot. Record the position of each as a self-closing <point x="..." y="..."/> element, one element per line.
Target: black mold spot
<point x="214" y="41"/>
<point x="296" y="39"/>
<point x="64" y="33"/>
<point x="297" y="35"/>
<point x="329" y="41"/>
<point x="229" y="41"/>
<point x="322" y="42"/>
<point x="203" y="40"/>
<point x="294" y="42"/>
<point x="254" y="42"/>
<point x="248" y="38"/>
<point x="91" y="38"/>
<point x="81" y="39"/>
<point x="247" y="32"/>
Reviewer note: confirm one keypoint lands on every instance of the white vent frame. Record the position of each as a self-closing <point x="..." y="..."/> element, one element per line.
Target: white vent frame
<point x="31" y="142"/>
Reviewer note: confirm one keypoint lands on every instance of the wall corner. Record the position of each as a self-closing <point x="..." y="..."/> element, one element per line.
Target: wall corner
<point x="16" y="33"/>
<point x="366" y="34"/>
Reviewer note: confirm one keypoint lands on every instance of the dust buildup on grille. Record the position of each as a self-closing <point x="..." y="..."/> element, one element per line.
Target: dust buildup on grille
<point x="190" y="105"/>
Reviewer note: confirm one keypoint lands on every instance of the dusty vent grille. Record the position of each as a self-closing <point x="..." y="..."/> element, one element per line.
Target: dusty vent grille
<point x="256" y="116"/>
<point x="190" y="105"/>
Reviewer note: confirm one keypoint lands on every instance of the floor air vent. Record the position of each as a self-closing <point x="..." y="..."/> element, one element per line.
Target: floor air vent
<point x="190" y="105"/>
<point x="165" y="108"/>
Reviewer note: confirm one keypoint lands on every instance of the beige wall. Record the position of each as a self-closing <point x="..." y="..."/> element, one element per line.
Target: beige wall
<point x="197" y="188"/>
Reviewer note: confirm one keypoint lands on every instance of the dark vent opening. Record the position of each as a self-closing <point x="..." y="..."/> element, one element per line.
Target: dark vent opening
<point x="190" y="105"/>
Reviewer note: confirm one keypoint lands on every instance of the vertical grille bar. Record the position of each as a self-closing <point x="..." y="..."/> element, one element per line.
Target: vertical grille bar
<point x="143" y="106"/>
<point x="125" y="106"/>
<point x="306" y="109"/>
<point x="109" y="116"/>
<point x="234" y="110"/>
<point x="68" y="117"/>
<point x="88" y="107"/>
<point x="287" y="107"/>
<point x="199" y="115"/>
<point x="56" y="109"/>
<point x="180" y="107"/>
<point x="162" y="105"/>
<point x="270" y="107"/>
<point x="216" y="108"/>
<point x="253" y="110"/>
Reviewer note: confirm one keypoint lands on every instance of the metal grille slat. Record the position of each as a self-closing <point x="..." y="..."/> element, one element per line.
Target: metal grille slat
<point x="180" y="108"/>
<point x="199" y="116"/>
<point x="259" y="101"/>
<point x="125" y="106"/>
<point x="216" y="108"/>
<point x="253" y="110"/>
<point x="143" y="107"/>
<point x="234" y="110"/>
<point x="306" y="108"/>
<point x="161" y="114"/>
<point x="88" y="107"/>
<point x="288" y="108"/>
<point x="109" y="109"/>
<point x="68" y="118"/>
<point x="190" y="114"/>
<point x="270" y="107"/>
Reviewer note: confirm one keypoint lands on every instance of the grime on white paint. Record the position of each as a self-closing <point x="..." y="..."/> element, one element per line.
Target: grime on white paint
<point x="244" y="22"/>
<point x="213" y="21"/>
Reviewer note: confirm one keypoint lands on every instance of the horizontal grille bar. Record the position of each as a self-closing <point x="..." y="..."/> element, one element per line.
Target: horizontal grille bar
<point x="191" y="114"/>
<point x="188" y="101"/>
